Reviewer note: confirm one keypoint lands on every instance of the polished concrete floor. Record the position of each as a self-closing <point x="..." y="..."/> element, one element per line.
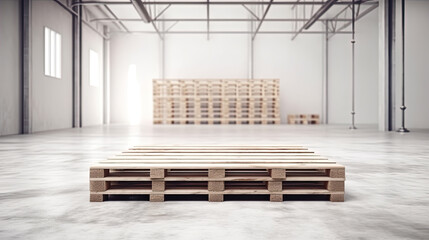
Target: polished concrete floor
<point x="44" y="187"/>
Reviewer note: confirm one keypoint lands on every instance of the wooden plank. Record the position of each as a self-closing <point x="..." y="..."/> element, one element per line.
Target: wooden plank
<point x="217" y="166"/>
<point x="219" y="157"/>
<point x="292" y="179"/>
<point x="234" y="191"/>
<point x="220" y="147"/>
<point x="250" y="161"/>
<point x="211" y="151"/>
<point x="216" y="153"/>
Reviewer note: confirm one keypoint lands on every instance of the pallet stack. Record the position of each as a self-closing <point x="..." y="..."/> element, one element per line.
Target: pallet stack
<point x="223" y="101"/>
<point x="303" y="119"/>
<point x="217" y="172"/>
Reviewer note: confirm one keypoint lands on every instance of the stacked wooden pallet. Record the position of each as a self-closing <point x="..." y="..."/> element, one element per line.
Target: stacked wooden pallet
<point x="217" y="172"/>
<point x="304" y="119"/>
<point x="222" y="101"/>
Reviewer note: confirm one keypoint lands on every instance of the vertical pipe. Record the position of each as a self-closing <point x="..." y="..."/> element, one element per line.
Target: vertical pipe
<point x="26" y="66"/>
<point x="325" y="82"/>
<point x="76" y="68"/>
<point x="106" y="77"/>
<point x="208" y="19"/>
<point x="403" y="129"/>
<point x="80" y="66"/>
<point x="352" y="127"/>
<point x="162" y="52"/>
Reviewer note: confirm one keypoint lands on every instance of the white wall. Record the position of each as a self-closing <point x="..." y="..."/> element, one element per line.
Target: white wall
<point x="366" y="69"/>
<point x="416" y="66"/>
<point x="10" y="77"/>
<point x="193" y="56"/>
<point x="51" y="97"/>
<point x="92" y="96"/>
<point x="298" y="65"/>
<point x="125" y="50"/>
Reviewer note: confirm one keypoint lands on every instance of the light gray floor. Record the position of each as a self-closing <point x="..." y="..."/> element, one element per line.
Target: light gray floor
<point x="44" y="187"/>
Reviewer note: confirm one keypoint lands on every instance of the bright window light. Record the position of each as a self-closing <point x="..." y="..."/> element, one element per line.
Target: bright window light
<point x="94" y="69"/>
<point x="52" y="53"/>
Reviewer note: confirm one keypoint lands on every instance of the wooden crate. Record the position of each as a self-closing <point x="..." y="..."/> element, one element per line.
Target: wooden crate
<point x="217" y="171"/>
<point x="303" y="119"/>
<point x="212" y="101"/>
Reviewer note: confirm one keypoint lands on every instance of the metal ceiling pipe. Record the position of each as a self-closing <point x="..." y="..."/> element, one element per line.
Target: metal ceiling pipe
<point x="322" y="10"/>
<point x="141" y="10"/>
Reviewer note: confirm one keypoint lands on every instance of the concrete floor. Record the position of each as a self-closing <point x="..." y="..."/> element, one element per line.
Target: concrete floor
<point x="44" y="187"/>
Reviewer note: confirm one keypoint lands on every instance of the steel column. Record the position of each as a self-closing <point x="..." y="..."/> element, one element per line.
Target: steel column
<point x="76" y="86"/>
<point x="26" y="8"/>
<point x="326" y="78"/>
<point x="262" y="19"/>
<point x="353" y="41"/>
<point x="386" y="64"/>
<point x="403" y="129"/>
<point x="106" y="77"/>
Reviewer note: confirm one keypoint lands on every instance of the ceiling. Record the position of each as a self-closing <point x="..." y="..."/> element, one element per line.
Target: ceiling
<point x="228" y="17"/>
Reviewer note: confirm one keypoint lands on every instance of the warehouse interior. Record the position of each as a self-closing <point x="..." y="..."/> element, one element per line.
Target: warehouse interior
<point x="79" y="81"/>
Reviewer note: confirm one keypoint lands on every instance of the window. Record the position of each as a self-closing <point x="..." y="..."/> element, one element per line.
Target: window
<point x="94" y="69"/>
<point x="52" y="53"/>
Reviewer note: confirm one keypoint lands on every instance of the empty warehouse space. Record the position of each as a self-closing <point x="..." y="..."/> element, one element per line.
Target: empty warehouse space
<point x="252" y="119"/>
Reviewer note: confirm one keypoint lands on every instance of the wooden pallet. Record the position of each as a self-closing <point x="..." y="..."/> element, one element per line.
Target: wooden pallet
<point x="303" y="119"/>
<point x="217" y="171"/>
<point x="216" y="98"/>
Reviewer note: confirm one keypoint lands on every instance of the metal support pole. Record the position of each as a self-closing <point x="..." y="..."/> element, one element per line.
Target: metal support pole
<point x="76" y="22"/>
<point x="162" y="53"/>
<point x="80" y="65"/>
<point x="325" y="81"/>
<point x="106" y="77"/>
<point x="353" y="113"/>
<point x="208" y="19"/>
<point x="27" y="127"/>
<point x="403" y="129"/>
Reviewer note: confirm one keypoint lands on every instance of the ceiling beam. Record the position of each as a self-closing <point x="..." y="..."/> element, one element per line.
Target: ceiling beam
<point x="322" y="10"/>
<point x="219" y="20"/>
<point x="362" y="14"/>
<point x="217" y="3"/>
<point x="160" y="13"/>
<point x="262" y="20"/>
<point x="234" y="32"/>
<point x="251" y="12"/>
<point x="141" y="10"/>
